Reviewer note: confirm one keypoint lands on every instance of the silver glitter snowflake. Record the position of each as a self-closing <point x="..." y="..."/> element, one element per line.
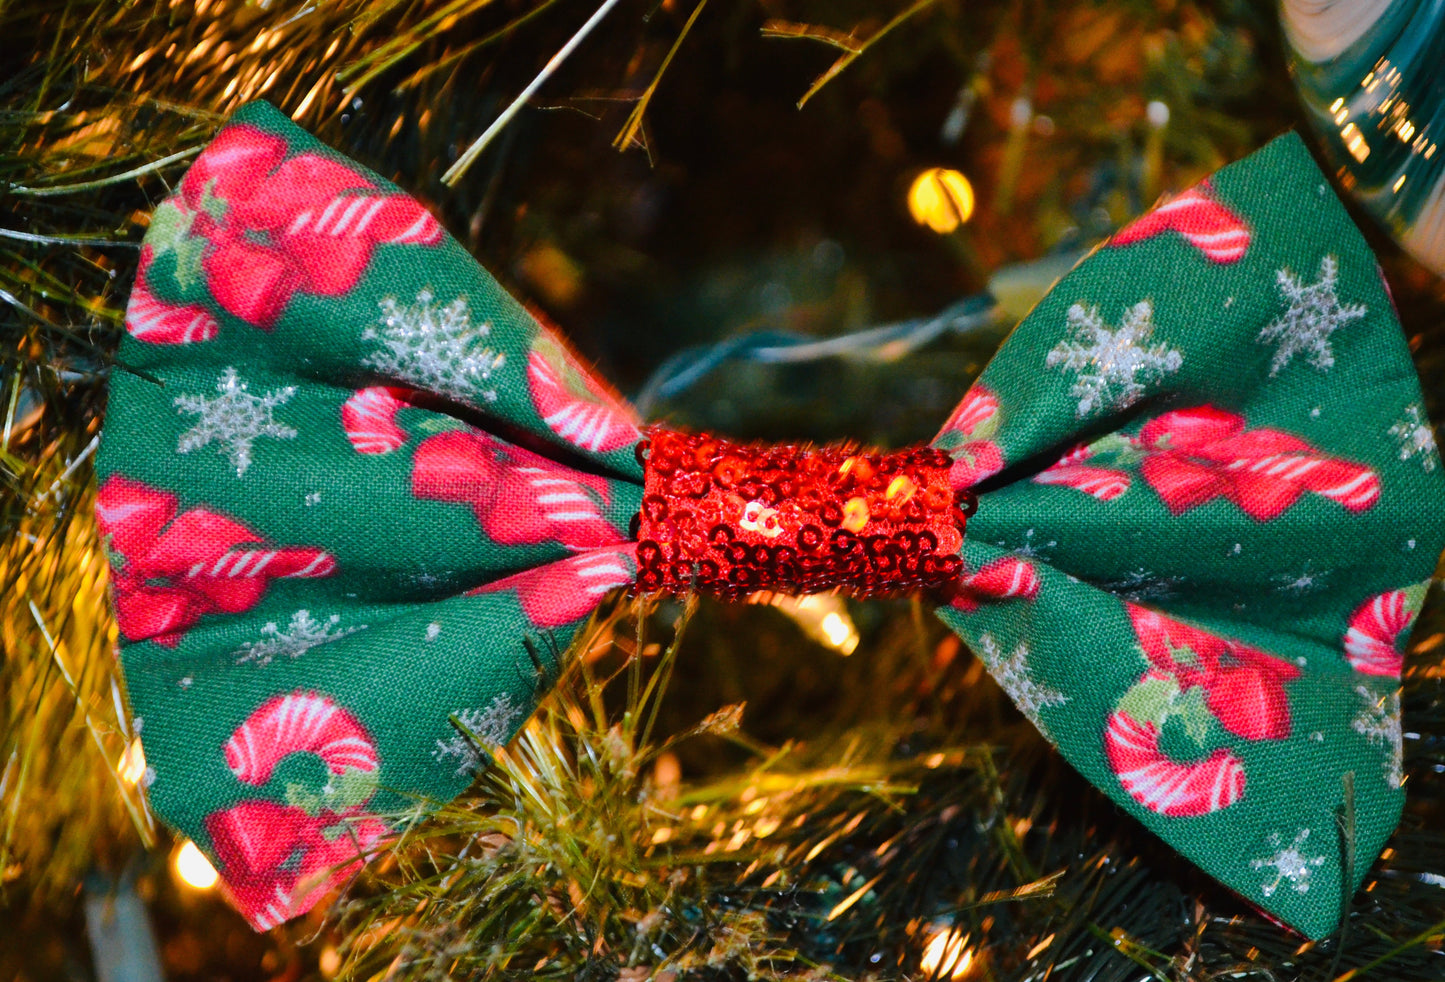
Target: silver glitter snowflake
<point x="1307" y="580"/>
<point x="234" y="419"/>
<point x="1114" y="366"/>
<point x="1014" y="676"/>
<point x="493" y="723"/>
<point x="1029" y="549"/>
<point x="1417" y="437"/>
<point x="1379" y="722"/>
<point x="434" y="346"/>
<point x="1140" y="585"/>
<point x="431" y="579"/>
<point x="1288" y="863"/>
<point x="1313" y="315"/>
<point x="303" y="633"/>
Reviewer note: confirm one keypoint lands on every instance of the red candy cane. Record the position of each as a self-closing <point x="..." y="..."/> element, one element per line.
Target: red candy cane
<point x="369" y="419"/>
<point x="279" y="859"/>
<point x="1164" y="785"/>
<point x="1070" y="471"/>
<point x="298" y="722"/>
<point x="1377" y="627"/>
<point x="1207" y="225"/>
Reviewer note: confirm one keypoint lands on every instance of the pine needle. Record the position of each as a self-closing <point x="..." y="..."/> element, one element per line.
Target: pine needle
<point x="464" y="162"/>
<point x="387" y="55"/>
<point x="450" y="61"/>
<point x="1432" y="935"/>
<point x="67" y="806"/>
<point x="124" y="177"/>
<point x="630" y="130"/>
<point x="852" y="47"/>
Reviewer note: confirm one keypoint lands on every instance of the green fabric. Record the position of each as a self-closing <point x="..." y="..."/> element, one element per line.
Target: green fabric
<point x="1306" y="513"/>
<point x="1208" y="498"/>
<point x="384" y="638"/>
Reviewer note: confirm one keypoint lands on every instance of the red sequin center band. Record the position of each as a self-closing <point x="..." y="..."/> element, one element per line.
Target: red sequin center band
<point x="730" y="519"/>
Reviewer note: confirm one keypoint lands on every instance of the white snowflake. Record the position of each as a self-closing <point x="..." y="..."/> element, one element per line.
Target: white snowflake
<point x="1140" y="585"/>
<point x="1417" y="437"/>
<point x="1379" y="722"/>
<point x="1014" y="676"/>
<point x="1308" y="580"/>
<point x="431" y="579"/>
<point x="303" y="633"/>
<point x="434" y="346"/>
<point x="234" y="419"/>
<point x="1288" y="863"/>
<point x="1314" y="314"/>
<point x="1114" y="367"/>
<point x="493" y="724"/>
<point x="1029" y="549"/>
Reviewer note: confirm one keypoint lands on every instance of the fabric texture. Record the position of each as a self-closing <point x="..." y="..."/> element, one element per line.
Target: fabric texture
<point x="1209" y="505"/>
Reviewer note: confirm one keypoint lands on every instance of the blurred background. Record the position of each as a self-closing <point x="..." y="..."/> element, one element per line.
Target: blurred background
<point x="771" y="218"/>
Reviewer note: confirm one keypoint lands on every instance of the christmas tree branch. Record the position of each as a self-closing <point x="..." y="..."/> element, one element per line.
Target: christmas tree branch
<point x="853" y="47"/>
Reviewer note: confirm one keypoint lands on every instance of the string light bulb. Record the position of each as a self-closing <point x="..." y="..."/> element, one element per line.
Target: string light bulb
<point x="823" y="617"/>
<point x="193" y="868"/>
<point x="839" y="632"/>
<point x="330" y="962"/>
<point x="940" y="198"/>
<point x="947" y="955"/>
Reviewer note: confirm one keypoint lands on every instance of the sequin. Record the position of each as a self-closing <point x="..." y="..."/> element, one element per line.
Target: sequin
<point x="729" y="519"/>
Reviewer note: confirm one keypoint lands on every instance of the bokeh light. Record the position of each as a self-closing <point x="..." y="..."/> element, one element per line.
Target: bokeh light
<point x="194" y="868"/>
<point x="947" y="955"/>
<point x="941" y="198"/>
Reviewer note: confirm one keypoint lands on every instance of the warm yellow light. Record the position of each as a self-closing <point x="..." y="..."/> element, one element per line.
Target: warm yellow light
<point x="667" y="774"/>
<point x="901" y="486"/>
<point x="836" y="630"/>
<point x="822" y="616"/>
<point x="1355" y="142"/>
<point x="329" y="962"/>
<point x="132" y="765"/>
<point x="947" y="955"/>
<point x="194" y="868"/>
<point x="940" y="198"/>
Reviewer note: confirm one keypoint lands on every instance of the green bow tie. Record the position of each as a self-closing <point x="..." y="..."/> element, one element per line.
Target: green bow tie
<point x="1209" y="501"/>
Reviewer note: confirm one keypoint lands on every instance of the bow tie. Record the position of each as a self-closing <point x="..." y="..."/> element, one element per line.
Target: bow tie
<point x="372" y="499"/>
